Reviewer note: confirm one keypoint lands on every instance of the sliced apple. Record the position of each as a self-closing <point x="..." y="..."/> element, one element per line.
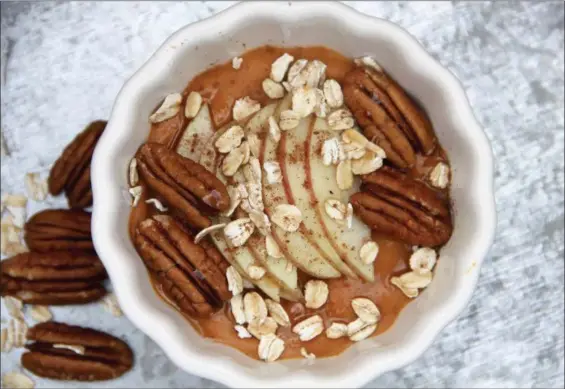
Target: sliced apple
<point x="348" y="242"/>
<point x="197" y="133"/>
<point x="277" y="267"/>
<point x="297" y="246"/>
<point x="294" y="176"/>
<point x="269" y="286"/>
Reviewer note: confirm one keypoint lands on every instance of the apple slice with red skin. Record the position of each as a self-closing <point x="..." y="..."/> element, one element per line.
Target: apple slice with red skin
<point x="348" y="241"/>
<point x="298" y="246"/>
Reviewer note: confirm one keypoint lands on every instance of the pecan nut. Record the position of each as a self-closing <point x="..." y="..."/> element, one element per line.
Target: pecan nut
<point x="59" y="229"/>
<point x="191" y="275"/>
<point x="388" y="116"/>
<point x="92" y="355"/>
<point x="71" y="172"/>
<point x="399" y="206"/>
<point x="184" y="184"/>
<point x="53" y="278"/>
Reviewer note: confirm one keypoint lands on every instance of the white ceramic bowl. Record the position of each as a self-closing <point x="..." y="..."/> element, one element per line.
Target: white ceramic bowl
<point x="190" y="51"/>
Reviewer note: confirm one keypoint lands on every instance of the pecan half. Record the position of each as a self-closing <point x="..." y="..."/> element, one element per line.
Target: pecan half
<point x="59" y="229"/>
<point x="184" y="184"/>
<point x="71" y="172"/>
<point x="191" y="275"/>
<point x="93" y="355"/>
<point x="53" y="278"/>
<point x="388" y="116"/>
<point x="397" y="205"/>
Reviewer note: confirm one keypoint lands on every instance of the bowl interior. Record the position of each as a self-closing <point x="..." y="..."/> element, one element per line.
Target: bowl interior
<point x="221" y="38"/>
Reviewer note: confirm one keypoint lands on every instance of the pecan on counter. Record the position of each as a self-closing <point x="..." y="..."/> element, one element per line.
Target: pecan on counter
<point x="71" y="172"/>
<point x="388" y="116"/>
<point x="53" y="278"/>
<point x="399" y="206"/>
<point x="184" y="184"/>
<point x="191" y="275"/>
<point x="64" y="352"/>
<point x="59" y="229"/>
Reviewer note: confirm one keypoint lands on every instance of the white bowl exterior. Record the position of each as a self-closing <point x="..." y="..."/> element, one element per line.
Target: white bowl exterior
<point x="218" y="39"/>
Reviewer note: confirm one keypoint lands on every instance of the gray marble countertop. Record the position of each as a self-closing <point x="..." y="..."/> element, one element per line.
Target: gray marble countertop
<point x="63" y="64"/>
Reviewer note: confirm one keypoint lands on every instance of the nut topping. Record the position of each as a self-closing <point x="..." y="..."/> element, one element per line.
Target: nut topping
<point x="408" y="292"/>
<point x="403" y="208"/>
<point x="336" y="330"/>
<point x="184" y="184"/>
<point x="242" y="332"/>
<point x="309" y="328"/>
<point x="295" y="69"/>
<point x="235" y="282"/>
<point x="423" y="260"/>
<point x="193" y="104"/>
<point x="278" y="313"/>
<point x="368" y="252"/>
<point x="245" y="107"/>
<point x="279" y="67"/>
<point x="341" y="119"/>
<point x="366" y="164"/>
<point x="335" y="209"/>
<point x="71" y="171"/>
<point x="272" y="89"/>
<point x="416" y="280"/>
<point x="304" y="101"/>
<point x="333" y="94"/>
<point x="363" y="333"/>
<point x="236" y="304"/>
<point x="255" y="308"/>
<point x="271" y="348"/>
<point x="274" y="130"/>
<point x="233" y="161"/>
<point x="287" y="216"/>
<point x="230" y="139"/>
<point x="53" y="278"/>
<point x="237" y="232"/>
<point x="388" y="116"/>
<point x="332" y="152"/>
<point x="105" y="357"/>
<point x="190" y="275"/>
<point x="269" y="326"/>
<point x="169" y="108"/>
<point x="261" y="221"/>
<point x="366" y="310"/>
<point x="439" y="177"/>
<point x="288" y="120"/>
<point x="316" y="293"/>
<point x="273" y="172"/>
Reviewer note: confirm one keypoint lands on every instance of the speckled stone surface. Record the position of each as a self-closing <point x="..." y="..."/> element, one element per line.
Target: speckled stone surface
<point x="63" y="64"/>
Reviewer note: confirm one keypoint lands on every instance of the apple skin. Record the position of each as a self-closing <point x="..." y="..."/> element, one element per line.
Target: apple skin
<point x="299" y="247"/>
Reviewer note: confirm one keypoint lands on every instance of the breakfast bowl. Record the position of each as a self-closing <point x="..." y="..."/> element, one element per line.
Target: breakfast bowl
<point x="198" y="46"/>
